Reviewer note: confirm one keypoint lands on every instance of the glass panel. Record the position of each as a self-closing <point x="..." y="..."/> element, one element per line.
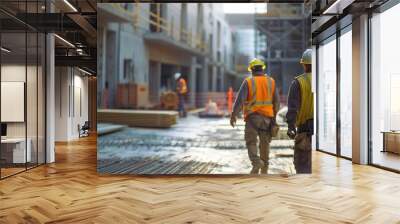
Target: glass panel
<point x="346" y="94"/>
<point x="32" y="89"/>
<point x="13" y="87"/>
<point x="41" y="99"/>
<point x="1" y="124"/>
<point x="22" y="82"/>
<point x="385" y="83"/>
<point x="327" y="96"/>
<point x="31" y="99"/>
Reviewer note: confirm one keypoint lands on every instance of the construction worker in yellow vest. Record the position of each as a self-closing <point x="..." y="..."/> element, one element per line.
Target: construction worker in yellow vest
<point x="260" y="102"/>
<point x="181" y="89"/>
<point x="300" y="115"/>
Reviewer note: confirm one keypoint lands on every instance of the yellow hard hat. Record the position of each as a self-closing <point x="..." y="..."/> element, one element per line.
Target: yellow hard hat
<point x="307" y="57"/>
<point x="256" y="62"/>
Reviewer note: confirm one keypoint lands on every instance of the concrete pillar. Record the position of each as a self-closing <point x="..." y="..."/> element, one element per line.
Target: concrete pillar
<point x="204" y="76"/>
<point x="214" y="78"/>
<point x="92" y="108"/>
<point x="50" y="98"/>
<point x="223" y="87"/>
<point x="360" y="90"/>
<point x="111" y="74"/>
<point x="155" y="81"/>
<point x="192" y="83"/>
<point x="158" y="79"/>
<point x="119" y="63"/>
<point x="101" y="64"/>
<point x="175" y="69"/>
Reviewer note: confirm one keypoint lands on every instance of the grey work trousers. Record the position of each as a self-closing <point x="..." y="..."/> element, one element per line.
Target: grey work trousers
<point x="181" y="105"/>
<point x="258" y="126"/>
<point x="302" y="153"/>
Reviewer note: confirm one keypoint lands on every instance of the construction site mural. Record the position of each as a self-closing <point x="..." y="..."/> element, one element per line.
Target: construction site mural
<point x="203" y="88"/>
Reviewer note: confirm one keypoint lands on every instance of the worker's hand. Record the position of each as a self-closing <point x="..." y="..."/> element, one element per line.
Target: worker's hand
<point x="291" y="132"/>
<point x="233" y="120"/>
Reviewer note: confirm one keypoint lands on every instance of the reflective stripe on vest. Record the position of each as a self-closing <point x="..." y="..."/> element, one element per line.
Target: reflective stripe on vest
<point x="306" y="111"/>
<point x="262" y="105"/>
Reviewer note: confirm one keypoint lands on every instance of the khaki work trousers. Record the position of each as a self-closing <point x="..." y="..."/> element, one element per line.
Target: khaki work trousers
<point x="258" y="126"/>
<point x="302" y="153"/>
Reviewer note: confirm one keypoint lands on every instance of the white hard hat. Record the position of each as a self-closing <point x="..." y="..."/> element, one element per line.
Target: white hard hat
<point x="177" y="75"/>
<point x="307" y="57"/>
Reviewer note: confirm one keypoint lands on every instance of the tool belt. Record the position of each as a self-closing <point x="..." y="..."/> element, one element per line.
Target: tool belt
<point x="273" y="127"/>
<point x="307" y="127"/>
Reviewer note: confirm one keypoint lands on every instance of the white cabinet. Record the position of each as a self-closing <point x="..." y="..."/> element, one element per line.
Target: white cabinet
<point x="17" y="148"/>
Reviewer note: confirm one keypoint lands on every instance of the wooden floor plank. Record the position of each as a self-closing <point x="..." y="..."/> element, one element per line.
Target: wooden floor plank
<point x="71" y="191"/>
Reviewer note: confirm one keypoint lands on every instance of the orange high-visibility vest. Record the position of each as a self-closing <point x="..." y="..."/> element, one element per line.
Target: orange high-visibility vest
<point x="261" y="90"/>
<point x="182" y="88"/>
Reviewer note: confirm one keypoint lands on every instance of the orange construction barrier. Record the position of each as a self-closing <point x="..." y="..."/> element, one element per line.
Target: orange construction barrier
<point x="230" y="99"/>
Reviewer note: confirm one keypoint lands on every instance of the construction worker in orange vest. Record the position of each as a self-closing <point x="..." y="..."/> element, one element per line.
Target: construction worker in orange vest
<point x="260" y="102"/>
<point x="181" y="89"/>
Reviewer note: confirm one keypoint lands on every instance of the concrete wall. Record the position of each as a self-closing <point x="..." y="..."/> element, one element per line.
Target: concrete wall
<point x="132" y="47"/>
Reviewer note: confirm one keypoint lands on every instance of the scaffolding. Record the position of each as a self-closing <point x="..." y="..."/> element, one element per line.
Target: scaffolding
<point x="281" y="36"/>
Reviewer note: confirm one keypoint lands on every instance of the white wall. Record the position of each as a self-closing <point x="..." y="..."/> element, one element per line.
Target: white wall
<point x="80" y="83"/>
<point x="61" y="103"/>
<point x="33" y="125"/>
<point x="16" y="73"/>
<point x="70" y="83"/>
<point x="12" y="73"/>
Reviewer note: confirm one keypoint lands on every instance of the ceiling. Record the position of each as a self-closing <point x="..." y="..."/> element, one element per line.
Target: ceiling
<point x="74" y="22"/>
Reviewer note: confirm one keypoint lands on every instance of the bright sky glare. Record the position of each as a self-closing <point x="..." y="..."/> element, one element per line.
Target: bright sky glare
<point x="245" y="7"/>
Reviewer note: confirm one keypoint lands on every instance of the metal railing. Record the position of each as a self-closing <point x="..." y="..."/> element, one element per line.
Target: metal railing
<point x="162" y="25"/>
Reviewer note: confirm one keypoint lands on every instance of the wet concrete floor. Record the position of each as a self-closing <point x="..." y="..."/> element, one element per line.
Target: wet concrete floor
<point x="193" y="146"/>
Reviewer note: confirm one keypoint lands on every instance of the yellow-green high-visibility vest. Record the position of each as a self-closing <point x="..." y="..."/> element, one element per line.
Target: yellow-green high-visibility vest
<point x="306" y="111"/>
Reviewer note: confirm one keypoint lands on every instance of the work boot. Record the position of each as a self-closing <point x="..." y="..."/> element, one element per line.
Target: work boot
<point x="264" y="170"/>
<point x="255" y="170"/>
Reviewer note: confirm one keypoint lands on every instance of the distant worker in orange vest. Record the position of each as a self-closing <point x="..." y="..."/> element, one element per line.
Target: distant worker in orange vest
<point x="181" y="89"/>
<point x="259" y="99"/>
<point x="230" y="98"/>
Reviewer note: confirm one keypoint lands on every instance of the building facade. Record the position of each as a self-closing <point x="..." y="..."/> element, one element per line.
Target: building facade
<point x="147" y="44"/>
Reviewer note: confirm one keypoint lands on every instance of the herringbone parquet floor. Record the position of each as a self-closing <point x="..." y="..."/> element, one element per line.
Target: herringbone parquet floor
<point x="70" y="191"/>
